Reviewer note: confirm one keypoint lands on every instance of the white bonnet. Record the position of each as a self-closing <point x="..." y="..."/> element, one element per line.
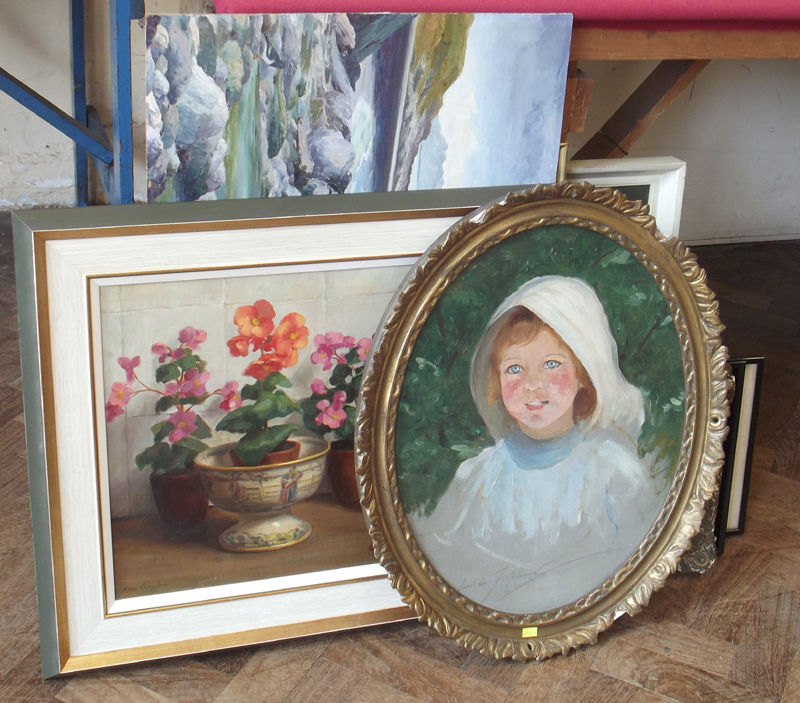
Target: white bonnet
<point x="571" y="308"/>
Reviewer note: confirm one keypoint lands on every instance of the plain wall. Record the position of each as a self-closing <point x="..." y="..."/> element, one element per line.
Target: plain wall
<point x="36" y="160"/>
<point x="736" y="126"/>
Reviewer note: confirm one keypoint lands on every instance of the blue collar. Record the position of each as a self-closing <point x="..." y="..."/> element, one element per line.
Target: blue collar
<point x="528" y="453"/>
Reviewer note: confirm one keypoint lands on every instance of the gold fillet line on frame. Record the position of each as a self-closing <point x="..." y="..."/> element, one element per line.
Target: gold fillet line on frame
<point x="683" y="285"/>
<point x="244" y="638"/>
<point x="50" y="446"/>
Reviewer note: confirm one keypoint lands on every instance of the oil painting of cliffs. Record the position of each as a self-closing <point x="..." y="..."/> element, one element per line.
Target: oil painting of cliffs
<point x="250" y="106"/>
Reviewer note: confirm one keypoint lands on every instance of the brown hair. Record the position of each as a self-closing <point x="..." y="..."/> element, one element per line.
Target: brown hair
<point x="521" y="327"/>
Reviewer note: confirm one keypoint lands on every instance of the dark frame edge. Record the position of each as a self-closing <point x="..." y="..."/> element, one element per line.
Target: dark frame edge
<point x="738" y="367"/>
<point x="758" y="362"/>
<point x="25" y="271"/>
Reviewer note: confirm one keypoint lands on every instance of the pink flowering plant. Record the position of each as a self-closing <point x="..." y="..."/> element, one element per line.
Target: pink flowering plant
<point x="180" y="387"/>
<point x="331" y="408"/>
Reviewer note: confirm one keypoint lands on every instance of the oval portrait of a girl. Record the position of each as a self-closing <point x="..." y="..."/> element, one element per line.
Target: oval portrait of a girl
<point x="539" y="420"/>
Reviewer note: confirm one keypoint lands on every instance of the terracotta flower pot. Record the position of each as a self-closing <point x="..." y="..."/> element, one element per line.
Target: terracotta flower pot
<point x="342" y="473"/>
<point x="180" y="500"/>
<point x="287" y="451"/>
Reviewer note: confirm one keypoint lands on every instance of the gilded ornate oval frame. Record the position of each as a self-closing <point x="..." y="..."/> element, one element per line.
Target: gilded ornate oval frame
<point x="590" y="230"/>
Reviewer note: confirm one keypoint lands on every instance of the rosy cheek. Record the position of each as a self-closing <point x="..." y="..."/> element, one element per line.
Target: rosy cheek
<point x="563" y="383"/>
<point x="511" y="388"/>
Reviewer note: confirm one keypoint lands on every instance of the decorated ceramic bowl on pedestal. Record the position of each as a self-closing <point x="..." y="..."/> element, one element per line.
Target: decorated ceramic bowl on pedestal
<point x="262" y="496"/>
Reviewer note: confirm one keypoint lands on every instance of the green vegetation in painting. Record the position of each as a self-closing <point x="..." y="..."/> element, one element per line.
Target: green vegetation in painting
<point x="438" y="425"/>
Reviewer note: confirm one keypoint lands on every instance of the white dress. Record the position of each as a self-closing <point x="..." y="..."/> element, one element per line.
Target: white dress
<point x="527" y="526"/>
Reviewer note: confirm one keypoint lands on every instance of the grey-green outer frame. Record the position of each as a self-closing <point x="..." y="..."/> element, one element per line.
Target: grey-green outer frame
<point x="26" y="224"/>
<point x="34" y="438"/>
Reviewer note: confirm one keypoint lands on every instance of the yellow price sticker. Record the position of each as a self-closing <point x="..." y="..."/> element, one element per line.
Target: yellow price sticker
<point x="530" y="632"/>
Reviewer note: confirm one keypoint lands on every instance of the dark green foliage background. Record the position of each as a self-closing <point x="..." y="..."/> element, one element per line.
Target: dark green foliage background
<point x="438" y="425"/>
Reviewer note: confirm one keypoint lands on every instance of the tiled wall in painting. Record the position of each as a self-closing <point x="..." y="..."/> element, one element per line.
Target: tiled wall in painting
<point x="136" y="316"/>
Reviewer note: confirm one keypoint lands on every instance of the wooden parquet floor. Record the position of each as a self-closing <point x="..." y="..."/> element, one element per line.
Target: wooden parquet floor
<point x="730" y="635"/>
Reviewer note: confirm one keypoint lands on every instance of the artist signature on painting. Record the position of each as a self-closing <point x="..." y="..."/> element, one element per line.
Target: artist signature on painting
<point x="146" y="589"/>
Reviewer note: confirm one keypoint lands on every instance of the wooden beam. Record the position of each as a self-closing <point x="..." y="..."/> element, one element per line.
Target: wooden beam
<point x="576" y="102"/>
<point x="596" y="44"/>
<point x="641" y="109"/>
<point x="569" y="98"/>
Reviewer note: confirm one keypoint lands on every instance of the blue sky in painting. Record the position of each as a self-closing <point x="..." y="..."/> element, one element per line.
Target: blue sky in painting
<point x="501" y="119"/>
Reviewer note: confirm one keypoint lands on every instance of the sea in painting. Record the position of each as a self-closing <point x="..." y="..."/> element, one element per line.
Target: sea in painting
<point x="249" y="106"/>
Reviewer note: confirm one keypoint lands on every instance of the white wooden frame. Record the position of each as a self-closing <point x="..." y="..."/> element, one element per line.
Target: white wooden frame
<point x="665" y="175"/>
<point x="82" y="625"/>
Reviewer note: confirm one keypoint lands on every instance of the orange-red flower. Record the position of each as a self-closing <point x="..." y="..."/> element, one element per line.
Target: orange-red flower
<point x="263" y="367"/>
<point x="239" y="346"/>
<point x="291" y="335"/>
<point x="255" y="320"/>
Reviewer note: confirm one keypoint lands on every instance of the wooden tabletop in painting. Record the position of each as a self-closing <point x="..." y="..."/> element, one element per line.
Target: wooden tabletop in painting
<point x="150" y="558"/>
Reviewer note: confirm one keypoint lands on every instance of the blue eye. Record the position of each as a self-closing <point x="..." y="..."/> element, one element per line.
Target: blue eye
<point x="552" y="364"/>
<point x="514" y="368"/>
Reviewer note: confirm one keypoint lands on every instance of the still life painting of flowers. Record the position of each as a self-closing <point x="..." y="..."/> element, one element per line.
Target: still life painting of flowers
<point x="253" y="361"/>
<point x="243" y="106"/>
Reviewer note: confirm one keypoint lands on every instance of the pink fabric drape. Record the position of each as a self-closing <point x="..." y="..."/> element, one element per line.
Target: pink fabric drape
<point x="671" y="11"/>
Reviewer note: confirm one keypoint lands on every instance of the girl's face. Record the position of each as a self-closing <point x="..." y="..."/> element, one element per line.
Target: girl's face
<point x="538" y="383"/>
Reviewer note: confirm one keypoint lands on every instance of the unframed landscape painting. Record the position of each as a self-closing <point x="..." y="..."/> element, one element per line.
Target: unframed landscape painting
<point x="244" y="106"/>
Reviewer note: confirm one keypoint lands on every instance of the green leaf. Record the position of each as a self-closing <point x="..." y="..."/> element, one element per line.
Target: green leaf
<point x="165" y="402"/>
<point x="271" y="406"/>
<point x="161" y="430"/>
<point x="352" y="357"/>
<point x="189" y="361"/>
<point x="203" y="431"/>
<point x="255" y="445"/>
<point x="281" y="380"/>
<point x="275" y="379"/>
<point x="168" y="372"/>
<point x="308" y="407"/>
<point x="192" y="444"/>
<point x="181" y="458"/>
<point x="285" y="403"/>
<point x="156" y="456"/>
<point x="264" y="406"/>
<point x="240" y="420"/>
<point x="311" y="424"/>
<point x="339" y="376"/>
<point x="347" y="430"/>
<point x="250" y="392"/>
